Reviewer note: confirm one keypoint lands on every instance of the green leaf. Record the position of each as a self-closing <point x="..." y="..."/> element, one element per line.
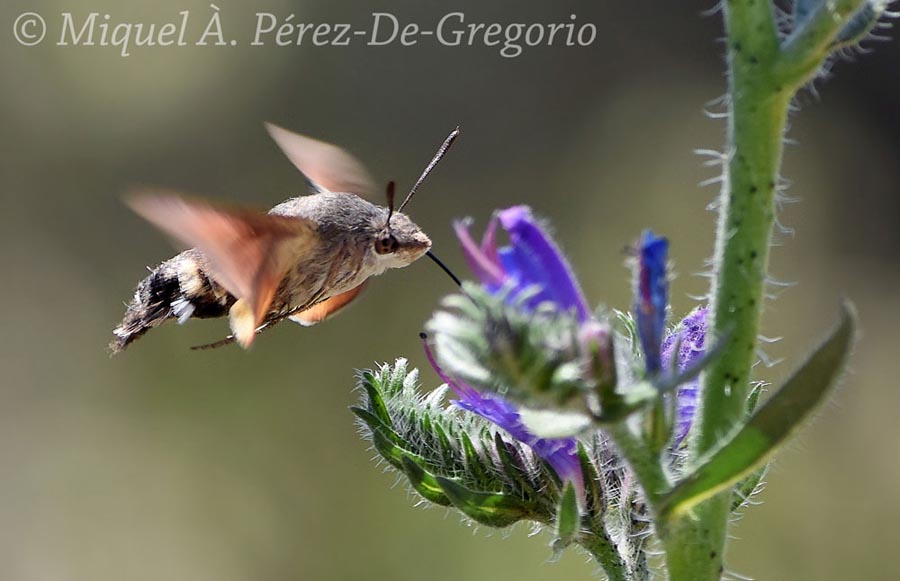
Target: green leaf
<point x="860" y="24"/>
<point x="633" y="397"/>
<point x="802" y="10"/>
<point x="445" y="448"/>
<point x="511" y="464"/>
<point x="753" y="397"/>
<point x="424" y="483"/>
<point x="669" y="383"/>
<point x="554" y="424"/>
<point x="371" y="384"/>
<point x="594" y="497"/>
<point x="472" y="460"/>
<point x="377" y="425"/>
<point x="596" y="537"/>
<point x="568" y="518"/>
<point x="778" y="418"/>
<point x="746" y="488"/>
<point x="387" y="442"/>
<point x="491" y="509"/>
<point x="389" y="450"/>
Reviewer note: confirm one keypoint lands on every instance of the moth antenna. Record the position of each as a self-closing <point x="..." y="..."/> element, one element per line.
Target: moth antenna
<point x="434" y="161"/>
<point x="390" y="199"/>
<point x="444" y="267"/>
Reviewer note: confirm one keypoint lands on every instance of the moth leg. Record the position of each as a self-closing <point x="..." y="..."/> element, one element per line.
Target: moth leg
<point x="228" y="340"/>
<point x="214" y="345"/>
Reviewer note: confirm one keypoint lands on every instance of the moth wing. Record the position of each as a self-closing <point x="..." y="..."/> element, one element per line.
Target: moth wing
<point x="327" y="308"/>
<point x="327" y="167"/>
<point x="246" y="252"/>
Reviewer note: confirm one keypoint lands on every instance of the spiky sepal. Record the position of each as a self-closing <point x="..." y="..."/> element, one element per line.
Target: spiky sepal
<point x="453" y="458"/>
<point x="457" y="459"/>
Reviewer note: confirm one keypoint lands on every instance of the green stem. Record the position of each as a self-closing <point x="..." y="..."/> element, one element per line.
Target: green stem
<point x="747" y="215"/>
<point x="643" y="461"/>
<point x="604" y="551"/>
<point x="805" y="49"/>
<point x="695" y="542"/>
<point x="763" y="77"/>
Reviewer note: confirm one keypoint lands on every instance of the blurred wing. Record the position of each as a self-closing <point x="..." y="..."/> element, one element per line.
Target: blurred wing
<point x="327" y="308"/>
<point x="328" y="167"/>
<point x="247" y="252"/>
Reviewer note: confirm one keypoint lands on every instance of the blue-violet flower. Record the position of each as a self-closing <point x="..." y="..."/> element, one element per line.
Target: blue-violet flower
<point x="692" y="334"/>
<point x="531" y="262"/>
<point x="651" y="297"/>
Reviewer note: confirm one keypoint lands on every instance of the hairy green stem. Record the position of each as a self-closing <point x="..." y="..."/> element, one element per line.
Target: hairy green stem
<point x="758" y="114"/>
<point x="643" y="461"/>
<point x="806" y="48"/>
<point x="758" y="107"/>
<point x="763" y="77"/>
<point x="604" y="551"/>
<point x="694" y="542"/>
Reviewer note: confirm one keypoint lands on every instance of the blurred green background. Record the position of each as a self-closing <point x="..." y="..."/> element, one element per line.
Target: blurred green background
<point x="226" y="465"/>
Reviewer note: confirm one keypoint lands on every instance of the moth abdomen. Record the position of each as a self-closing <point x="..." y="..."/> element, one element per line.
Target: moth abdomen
<point x="178" y="288"/>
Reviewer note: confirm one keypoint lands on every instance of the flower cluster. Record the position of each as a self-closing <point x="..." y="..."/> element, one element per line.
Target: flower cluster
<point x="532" y="275"/>
<point x="586" y="421"/>
<point x="537" y="380"/>
<point x="561" y="454"/>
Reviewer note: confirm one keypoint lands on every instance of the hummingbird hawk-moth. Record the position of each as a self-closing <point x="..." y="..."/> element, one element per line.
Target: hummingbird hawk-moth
<point x="304" y="260"/>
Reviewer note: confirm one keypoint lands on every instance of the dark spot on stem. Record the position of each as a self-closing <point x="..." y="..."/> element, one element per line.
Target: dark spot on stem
<point x="753" y="254"/>
<point x="753" y="189"/>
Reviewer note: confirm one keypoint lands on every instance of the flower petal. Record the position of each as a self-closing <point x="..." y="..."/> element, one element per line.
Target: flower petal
<point x="651" y="297"/>
<point x="692" y="334"/>
<point x="535" y="260"/>
<point x="482" y="259"/>
<point x="489" y="241"/>
<point x="561" y="454"/>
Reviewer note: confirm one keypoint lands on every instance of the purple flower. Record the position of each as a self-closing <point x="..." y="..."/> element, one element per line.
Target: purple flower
<point x="561" y="454"/>
<point x="651" y="297"/>
<point x="531" y="261"/>
<point x="692" y="333"/>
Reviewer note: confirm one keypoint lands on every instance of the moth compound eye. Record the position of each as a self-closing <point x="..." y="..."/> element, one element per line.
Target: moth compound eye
<point x="386" y="244"/>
